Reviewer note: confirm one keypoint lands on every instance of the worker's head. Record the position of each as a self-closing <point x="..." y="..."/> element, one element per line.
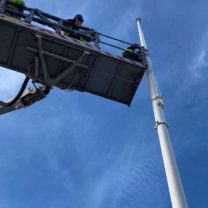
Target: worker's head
<point x="78" y="19"/>
<point x="134" y="46"/>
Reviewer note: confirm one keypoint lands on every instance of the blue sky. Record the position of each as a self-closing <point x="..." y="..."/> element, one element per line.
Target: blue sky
<point x="79" y="150"/>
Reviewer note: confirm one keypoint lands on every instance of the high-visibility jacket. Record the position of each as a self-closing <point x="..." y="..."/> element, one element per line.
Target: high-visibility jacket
<point x="70" y="23"/>
<point x="130" y="53"/>
<point x="17" y="6"/>
<point x="18" y="2"/>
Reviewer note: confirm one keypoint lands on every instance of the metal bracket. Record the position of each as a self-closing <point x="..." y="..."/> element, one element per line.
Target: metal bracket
<point x="2" y="6"/>
<point x="30" y="17"/>
<point x="41" y="59"/>
<point x="159" y="100"/>
<point x="59" y="26"/>
<point x="158" y="123"/>
<point x="97" y="40"/>
<point x="144" y="53"/>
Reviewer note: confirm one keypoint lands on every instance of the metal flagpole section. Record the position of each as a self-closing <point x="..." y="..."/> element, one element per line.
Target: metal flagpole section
<point x="177" y="195"/>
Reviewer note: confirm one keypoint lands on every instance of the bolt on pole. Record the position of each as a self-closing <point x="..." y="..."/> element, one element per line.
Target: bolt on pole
<point x="177" y="196"/>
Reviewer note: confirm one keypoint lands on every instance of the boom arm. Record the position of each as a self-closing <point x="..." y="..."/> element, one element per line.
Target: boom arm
<point x="29" y="97"/>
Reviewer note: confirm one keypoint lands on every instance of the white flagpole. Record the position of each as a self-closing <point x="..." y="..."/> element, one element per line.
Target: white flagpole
<point x="178" y="198"/>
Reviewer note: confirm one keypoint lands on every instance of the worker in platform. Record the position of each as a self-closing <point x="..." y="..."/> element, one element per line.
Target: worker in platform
<point x="133" y="52"/>
<point x="78" y="20"/>
<point x="74" y="26"/>
<point x="15" y="5"/>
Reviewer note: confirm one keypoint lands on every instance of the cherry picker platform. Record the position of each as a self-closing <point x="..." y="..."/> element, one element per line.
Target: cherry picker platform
<point x="50" y="58"/>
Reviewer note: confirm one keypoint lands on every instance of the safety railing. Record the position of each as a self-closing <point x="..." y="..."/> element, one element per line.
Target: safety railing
<point x="61" y="26"/>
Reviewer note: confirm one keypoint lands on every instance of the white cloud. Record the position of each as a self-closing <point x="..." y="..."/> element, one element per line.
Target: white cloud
<point x="199" y="65"/>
